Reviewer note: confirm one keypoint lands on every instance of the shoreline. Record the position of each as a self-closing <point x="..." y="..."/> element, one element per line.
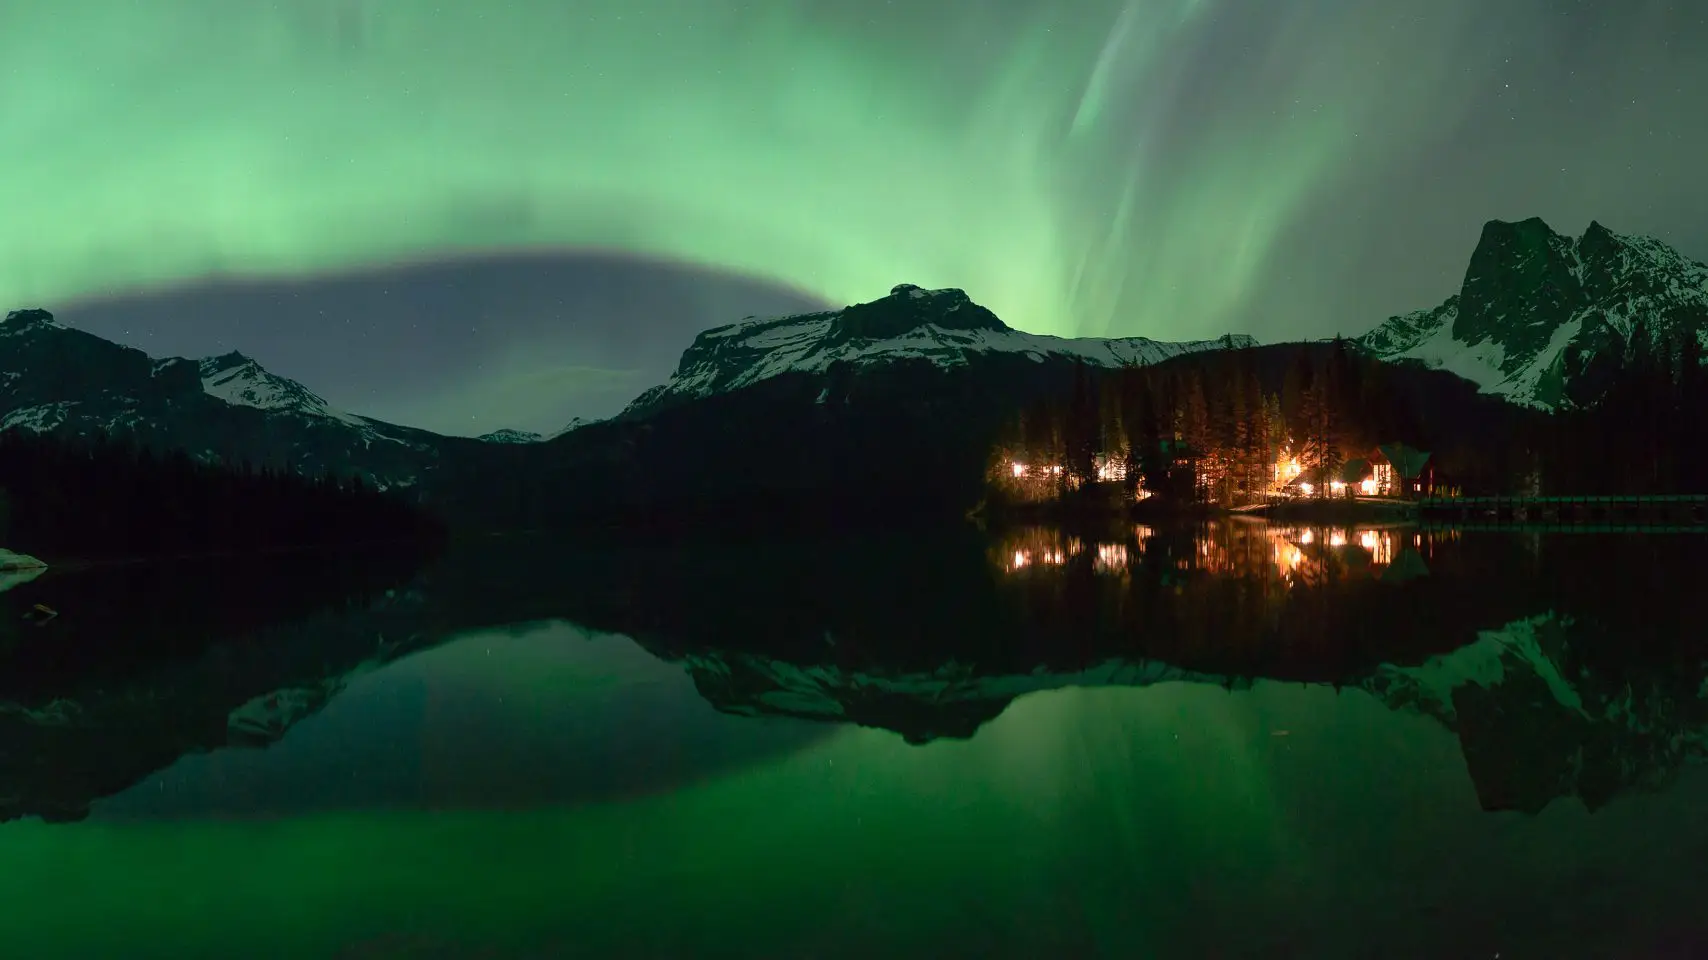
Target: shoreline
<point x="79" y="564"/>
<point x="1323" y="511"/>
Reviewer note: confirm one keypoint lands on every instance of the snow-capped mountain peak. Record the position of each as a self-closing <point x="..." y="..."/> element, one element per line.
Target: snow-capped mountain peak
<point x="236" y="378"/>
<point x="507" y="435"/>
<point x="24" y="321"/>
<point x="944" y="327"/>
<point x="58" y="379"/>
<point x="1538" y="310"/>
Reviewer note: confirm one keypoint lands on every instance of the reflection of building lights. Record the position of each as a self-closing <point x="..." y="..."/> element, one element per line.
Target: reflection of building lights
<point x="1336" y="539"/>
<point x="1368" y="486"/>
<point x="1111" y="557"/>
<point x="1019" y="469"/>
<point x="1020" y="559"/>
<point x="1305" y="537"/>
<point x="1380" y="545"/>
<point x="1306" y="488"/>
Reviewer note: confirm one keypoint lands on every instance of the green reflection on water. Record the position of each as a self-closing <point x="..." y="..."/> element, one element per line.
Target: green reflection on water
<point x="1164" y="821"/>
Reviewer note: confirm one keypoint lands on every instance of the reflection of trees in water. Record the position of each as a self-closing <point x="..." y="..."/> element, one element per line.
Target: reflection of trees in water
<point x="928" y="633"/>
<point x="1289" y="555"/>
<point x="1232" y="594"/>
<point x="1560" y="662"/>
<point x="149" y="662"/>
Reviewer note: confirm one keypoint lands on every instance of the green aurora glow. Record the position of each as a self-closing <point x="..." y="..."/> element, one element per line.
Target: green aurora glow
<point x="1109" y="166"/>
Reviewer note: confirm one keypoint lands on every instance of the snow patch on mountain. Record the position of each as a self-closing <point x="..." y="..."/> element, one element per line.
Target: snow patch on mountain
<point x="511" y="436"/>
<point x="574" y="424"/>
<point x="240" y="380"/>
<point x="20" y="322"/>
<point x="39" y="418"/>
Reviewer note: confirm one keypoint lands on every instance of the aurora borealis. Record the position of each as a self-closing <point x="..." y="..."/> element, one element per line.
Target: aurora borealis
<point x="1170" y="168"/>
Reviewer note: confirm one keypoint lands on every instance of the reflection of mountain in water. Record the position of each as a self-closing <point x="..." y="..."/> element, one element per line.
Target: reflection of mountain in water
<point x="1562" y="664"/>
<point x="144" y="665"/>
<point x="1536" y="722"/>
<point x="1566" y="665"/>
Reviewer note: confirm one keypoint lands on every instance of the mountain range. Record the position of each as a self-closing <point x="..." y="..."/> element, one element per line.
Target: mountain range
<point x="1539" y="319"/>
<point x="60" y="380"/>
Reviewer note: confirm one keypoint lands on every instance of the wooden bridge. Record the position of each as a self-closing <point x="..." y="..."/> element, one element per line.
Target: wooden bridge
<point x="1604" y="513"/>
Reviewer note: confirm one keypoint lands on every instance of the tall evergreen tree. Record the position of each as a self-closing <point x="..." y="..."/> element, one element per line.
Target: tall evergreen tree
<point x="1083" y="429"/>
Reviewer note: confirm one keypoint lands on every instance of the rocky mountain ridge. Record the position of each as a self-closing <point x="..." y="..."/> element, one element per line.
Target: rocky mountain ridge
<point x="1541" y="318"/>
<point x="60" y="380"/>
<point x="944" y="328"/>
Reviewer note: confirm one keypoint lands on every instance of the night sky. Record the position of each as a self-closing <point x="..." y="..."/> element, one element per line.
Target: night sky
<point x="482" y="214"/>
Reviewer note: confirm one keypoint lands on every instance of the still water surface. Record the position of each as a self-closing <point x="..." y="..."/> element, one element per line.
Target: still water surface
<point x="1230" y="741"/>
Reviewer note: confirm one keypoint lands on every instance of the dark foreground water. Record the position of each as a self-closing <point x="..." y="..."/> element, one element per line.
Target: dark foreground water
<point x="1235" y="741"/>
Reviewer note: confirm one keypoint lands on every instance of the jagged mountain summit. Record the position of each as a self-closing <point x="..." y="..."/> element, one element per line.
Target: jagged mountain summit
<point x="57" y="379"/>
<point x="507" y="435"/>
<point x="238" y="379"/>
<point x="944" y="327"/>
<point x="1541" y="317"/>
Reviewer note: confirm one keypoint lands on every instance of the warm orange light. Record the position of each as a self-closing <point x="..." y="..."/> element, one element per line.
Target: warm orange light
<point x="1306" y="488"/>
<point x="1336" y="539"/>
<point x="1019" y="469"/>
<point x="1111" y="557"/>
<point x="1335" y="486"/>
<point x="1368" y="486"/>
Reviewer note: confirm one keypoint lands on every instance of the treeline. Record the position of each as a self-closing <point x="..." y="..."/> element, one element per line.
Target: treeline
<point x="1647" y="432"/>
<point x="106" y="499"/>
<point x="1217" y="426"/>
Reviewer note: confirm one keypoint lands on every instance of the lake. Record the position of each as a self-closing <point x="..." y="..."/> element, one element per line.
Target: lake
<point x="1231" y="740"/>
